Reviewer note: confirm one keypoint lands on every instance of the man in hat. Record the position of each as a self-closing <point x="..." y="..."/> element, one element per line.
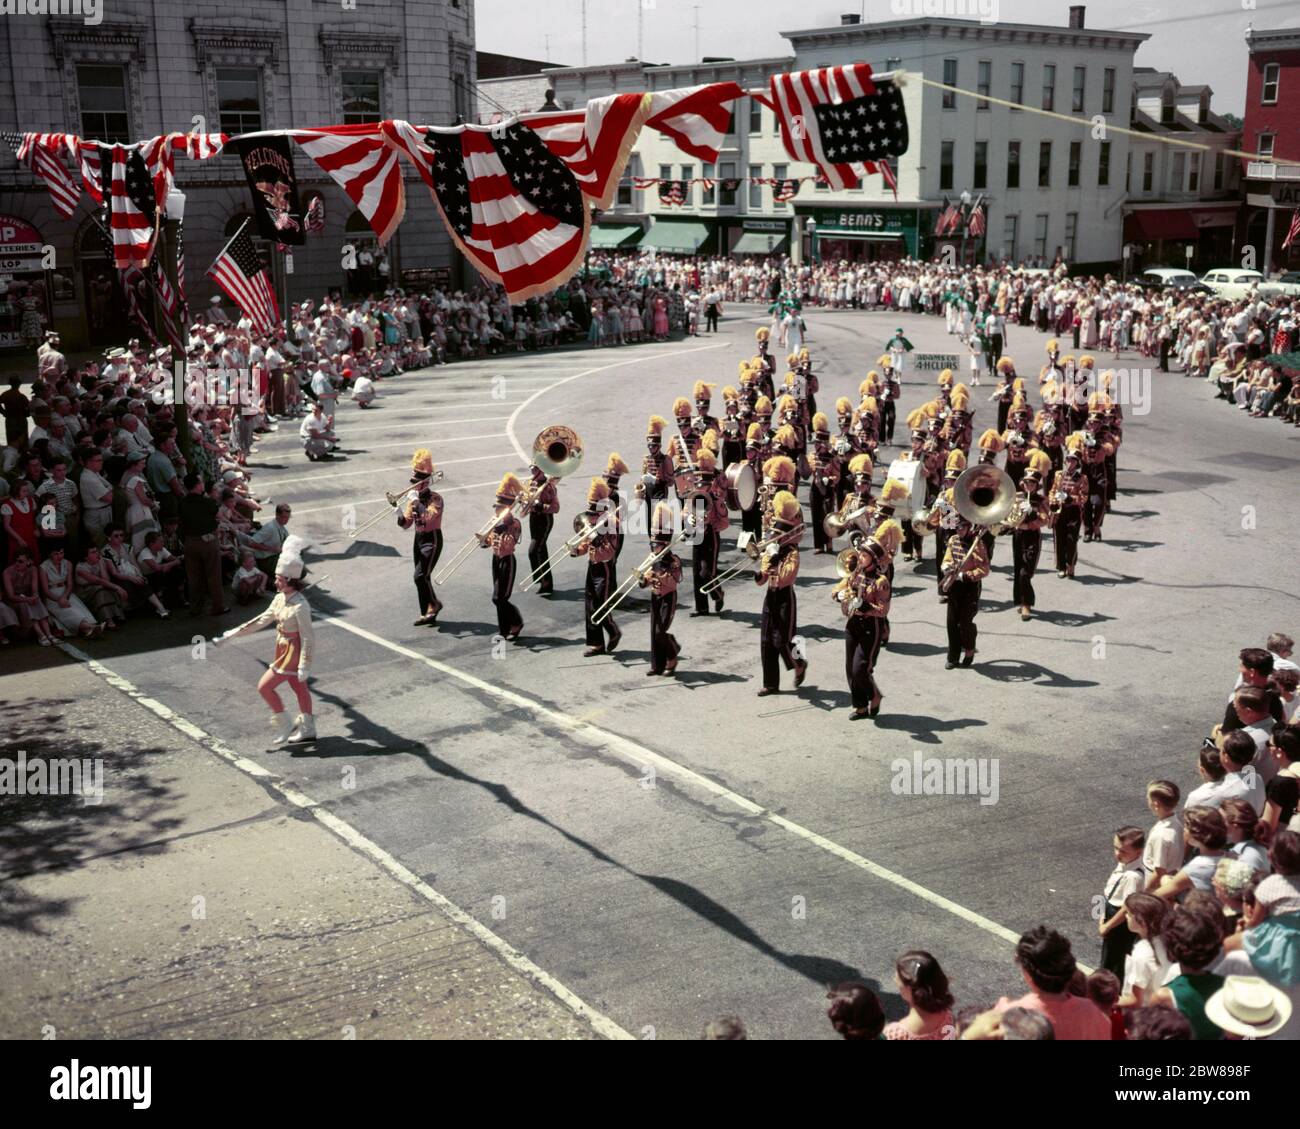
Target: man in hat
<point x="1005" y="391"/>
<point x="615" y="468"/>
<point x="703" y="395"/>
<point x="662" y="578"/>
<point x="599" y="547"/>
<point x="778" y="568"/>
<point x="965" y="562"/>
<point x="1018" y="440"/>
<point x="1026" y="535"/>
<point x="864" y="596"/>
<point x="422" y="512"/>
<point x="944" y="518"/>
<point x="708" y="538"/>
<point x="656" y="469"/>
<point x="215" y="313"/>
<point x="824" y="471"/>
<point x="541" y="520"/>
<point x="1066" y="502"/>
<point x="1094" y="450"/>
<point x="887" y="397"/>
<point x="502" y="539"/>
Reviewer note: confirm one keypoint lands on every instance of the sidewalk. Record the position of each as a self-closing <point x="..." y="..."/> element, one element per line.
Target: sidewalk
<point x="192" y="903"/>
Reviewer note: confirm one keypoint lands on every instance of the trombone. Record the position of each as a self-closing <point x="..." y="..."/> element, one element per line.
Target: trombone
<point x="557" y="451"/>
<point x="753" y="551"/>
<point x="624" y="590"/>
<point x="396" y="500"/>
<point x="582" y="529"/>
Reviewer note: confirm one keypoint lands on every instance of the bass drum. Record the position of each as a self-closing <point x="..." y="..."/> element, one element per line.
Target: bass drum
<point x="911" y="473"/>
<point x="742" y="486"/>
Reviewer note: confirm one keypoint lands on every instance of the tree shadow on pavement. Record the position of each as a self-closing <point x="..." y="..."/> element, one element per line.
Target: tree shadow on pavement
<point x="44" y="832"/>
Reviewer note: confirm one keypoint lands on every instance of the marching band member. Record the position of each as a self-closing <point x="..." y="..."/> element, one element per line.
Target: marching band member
<point x="778" y="569"/>
<point x="615" y="468"/>
<point x="541" y="520"/>
<point x="866" y="426"/>
<point x="294" y="646"/>
<point x="823" y="481"/>
<point x="916" y="421"/>
<point x="1026" y="534"/>
<point x="600" y="550"/>
<point x="1083" y="379"/>
<point x="1018" y="439"/>
<point x="1095" y="450"/>
<point x="944" y="517"/>
<point x="749" y="391"/>
<point x="1048" y="426"/>
<point x="864" y="596"/>
<point x="845" y="445"/>
<point x="991" y="446"/>
<point x="656" y="468"/>
<point x="708" y="542"/>
<point x="1005" y="391"/>
<point x="662" y="579"/>
<point x="888" y="396"/>
<point x="966" y="566"/>
<point x="788" y="442"/>
<point x="422" y="513"/>
<point x="960" y="424"/>
<point x="756" y="454"/>
<point x="767" y="362"/>
<point x="811" y="385"/>
<point x="731" y="428"/>
<point x="891" y="494"/>
<point x="856" y="512"/>
<point x="1114" y="433"/>
<point x="1052" y="370"/>
<point x="502" y="540"/>
<point x="778" y="476"/>
<point x="763" y="415"/>
<point x="790" y="414"/>
<point x="1068" y="498"/>
<point x="703" y="394"/>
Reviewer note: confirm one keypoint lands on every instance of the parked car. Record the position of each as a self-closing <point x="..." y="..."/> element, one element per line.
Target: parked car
<point x="1288" y="284"/>
<point x="1163" y="276"/>
<point x="1232" y="282"/>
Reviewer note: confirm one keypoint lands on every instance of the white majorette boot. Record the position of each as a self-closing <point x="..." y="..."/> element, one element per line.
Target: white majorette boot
<point x="282" y="726"/>
<point x="305" y="729"/>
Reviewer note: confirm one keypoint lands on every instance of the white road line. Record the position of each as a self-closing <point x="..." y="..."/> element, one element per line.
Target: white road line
<point x="276" y="483"/>
<point x="506" y="952"/>
<point x="369" y="501"/>
<point x="639" y="757"/>
<point x="525" y="456"/>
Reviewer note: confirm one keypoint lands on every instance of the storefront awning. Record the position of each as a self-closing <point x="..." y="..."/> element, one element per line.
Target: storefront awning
<point x="756" y="243"/>
<point x="615" y="234"/>
<point x="676" y="238"/>
<point x="1159" y="223"/>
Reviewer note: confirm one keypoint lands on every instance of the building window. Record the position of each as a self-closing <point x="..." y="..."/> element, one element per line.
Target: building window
<point x="1049" y="86"/>
<point x="665" y="172"/>
<point x="1044" y="164"/>
<point x="1218" y="172"/>
<point x="360" y="97"/>
<point x="709" y="195"/>
<point x="1103" y="165"/>
<point x="239" y="99"/>
<point x="101" y="91"/>
<point x="1194" y="173"/>
<point x="755" y="116"/>
<point x="1040" y="236"/>
<point x="1018" y="83"/>
<point x="981" y="177"/>
<point x="688" y="189"/>
<point x="1265" y="146"/>
<point x="1071" y="228"/>
<point x="632" y="169"/>
<point x="1076" y="157"/>
<point x="1203" y="111"/>
<point x="1013" y="164"/>
<point x="731" y="121"/>
<point x="1268" y="94"/>
<point x="727" y="172"/>
<point x="985" y="80"/>
<point x="1080" y="80"/>
<point x="1009" y="232"/>
<point x="755" y="189"/>
<point x="1148" y="170"/>
<point x="945" y="164"/>
<point x="1167" y="109"/>
<point x="949" y="79"/>
<point x="779" y="172"/>
<point x="1108" y="91"/>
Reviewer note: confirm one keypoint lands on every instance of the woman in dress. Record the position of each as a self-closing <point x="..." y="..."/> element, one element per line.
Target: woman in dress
<point x="294" y="644"/>
<point x="99" y="591"/>
<point x="924" y="987"/>
<point x="661" y="318"/>
<point x="635" y="327"/>
<point x="141" y="509"/>
<point x="18" y="512"/>
<point x="23" y="595"/>
<point x="62" y="602"/>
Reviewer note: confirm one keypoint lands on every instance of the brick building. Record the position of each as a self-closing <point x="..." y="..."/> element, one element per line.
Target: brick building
<point x="1272" y="129"/>
<point x="151" y="68"/>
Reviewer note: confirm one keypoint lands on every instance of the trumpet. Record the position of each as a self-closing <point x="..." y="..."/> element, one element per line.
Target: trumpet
<point x="582" y="530"/>
<point x="624" y="590"/>
<point x="557" y="451"/>
<point x="849" y="566"/>
<point x="754" y="551"/>
<point x="396" y="500"/>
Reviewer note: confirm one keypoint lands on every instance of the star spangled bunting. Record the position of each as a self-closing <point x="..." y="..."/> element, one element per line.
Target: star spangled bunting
<point x="363" y="161"/>
<point x="695" y="117"/>
<point x="40" y="153"/>
<point x="128" y="192"/>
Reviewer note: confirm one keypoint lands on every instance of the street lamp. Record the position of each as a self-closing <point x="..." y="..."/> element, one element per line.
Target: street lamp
<point x="810" y="226"/>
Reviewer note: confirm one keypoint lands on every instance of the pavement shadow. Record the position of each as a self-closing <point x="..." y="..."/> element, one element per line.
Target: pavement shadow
<point x="1070" y="619"/>
<point x="1019" y="670"/>
<point x="43" y="831"/>
<point x="1135" y="514"/>
<point x="920" y="650"/>
<point x="1132" y="546"/>
<point x="1106" y="581"/>
<point x="921" y="727"/>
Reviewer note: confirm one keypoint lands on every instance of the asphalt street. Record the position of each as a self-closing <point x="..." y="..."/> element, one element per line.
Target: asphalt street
<point x="674" y="850"/>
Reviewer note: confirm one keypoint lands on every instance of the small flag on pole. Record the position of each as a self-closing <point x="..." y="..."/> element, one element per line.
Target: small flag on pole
<point x="1293" y="232"/>
<point x="239" y="271"/>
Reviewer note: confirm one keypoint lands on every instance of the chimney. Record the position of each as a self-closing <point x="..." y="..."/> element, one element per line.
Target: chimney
<point x="1076" y="15"/>
<point x="849" y="19"/>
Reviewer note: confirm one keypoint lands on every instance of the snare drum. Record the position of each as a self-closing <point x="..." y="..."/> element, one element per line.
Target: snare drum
<point x="911" y="473"/>
<point x="742" y="486"/>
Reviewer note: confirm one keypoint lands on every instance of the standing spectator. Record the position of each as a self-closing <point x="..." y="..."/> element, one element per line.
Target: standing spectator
<point x="18" y="513"/>
<point x="1146" y="965"/>
<point x="1047" y="965"/>
<point x="1117" y="939"/>
<point x="924" y="987"/>
<point x="96" y="496"/>
<point x="198" y="525"/>
<point x="160" y="471"/>
<point x="1163" y="853"/>
<point x="17" y="410"/>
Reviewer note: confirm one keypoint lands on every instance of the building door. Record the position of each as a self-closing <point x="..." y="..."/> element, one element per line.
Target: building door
<point x="108" y="322"/>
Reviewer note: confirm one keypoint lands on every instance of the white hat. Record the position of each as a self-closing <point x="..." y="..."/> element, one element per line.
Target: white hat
<point x="290" y="565"/>
<point x="215" y="300"/>
<point x="1250" y="1006"/>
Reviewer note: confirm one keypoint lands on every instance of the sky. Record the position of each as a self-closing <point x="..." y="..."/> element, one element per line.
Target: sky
<point x="1201" y="41"/>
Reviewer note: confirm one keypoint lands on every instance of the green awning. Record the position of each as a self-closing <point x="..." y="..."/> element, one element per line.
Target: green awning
<point x="756" y="243"/>
<point x="676" y="238"/>
<point x="615" y="234"/>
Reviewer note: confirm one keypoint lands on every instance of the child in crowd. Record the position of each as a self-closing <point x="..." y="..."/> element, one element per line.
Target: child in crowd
<point x="249" y="581"/>
<point x="1127" y="878"/>
<point x="1163" y="853"/>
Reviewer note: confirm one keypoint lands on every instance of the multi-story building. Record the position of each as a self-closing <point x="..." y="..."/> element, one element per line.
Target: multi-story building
<point x="1270" y="130"/>
<point x="1182" y="189"/>
<point x="150" y="68"/>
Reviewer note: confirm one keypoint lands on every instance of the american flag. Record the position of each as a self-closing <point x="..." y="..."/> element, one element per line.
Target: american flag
<point x="363" y="161"/>
<point x="239" y="271"/>
<point x="695" y="117"/>
<point x="1293" y="231"/>
<point x="38" y="152"/>
<point x="127" y="190"/>
<point x="948" y="219"/>
<point x="785" y="190"/>
<point x="976" y="223"/>
<point x="838" y="119"/>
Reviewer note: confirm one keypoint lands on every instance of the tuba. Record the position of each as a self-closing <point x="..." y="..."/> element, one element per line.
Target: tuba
<point x="984" y="494"/>
<point x="557" y="451"/>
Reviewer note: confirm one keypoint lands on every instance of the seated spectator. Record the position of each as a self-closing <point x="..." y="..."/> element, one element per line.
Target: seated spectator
<point x="249" y="581"/>
<point x="1214" y="789"/>
<point x="163" y="569"/>
<point x="1285" y="682"/>
<point x="1245" y="832"/>
<point x="924" y="988"/>
<point x="1248" y="1007"/>
<point x="1047" y="965"/>
<point x="855" y="1011"/>
<point x="1272" y="927"/>
<point x="99" y="591"/>
<point x="1242" y="779"/>
<point x="22" y="594"/>
<point x="57" y="584"/>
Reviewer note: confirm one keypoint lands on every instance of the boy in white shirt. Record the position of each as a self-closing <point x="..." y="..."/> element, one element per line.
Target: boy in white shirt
<point x="249" y="581"/>
<point x="1162" y="856"/>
